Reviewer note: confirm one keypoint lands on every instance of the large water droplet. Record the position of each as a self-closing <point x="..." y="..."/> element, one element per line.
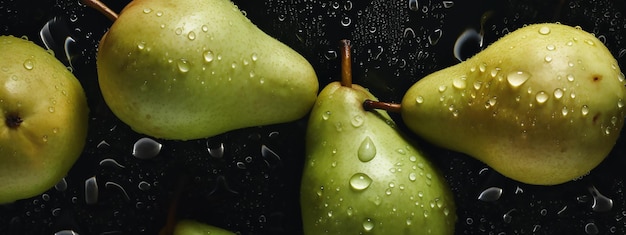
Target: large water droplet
<point x="216" y="152"/>
<point x="183" y="65"/>
<point x="419" y="99"/>
<point x="517" y="78"/>
<point x="368" y="224"/>
<point x="326" y="115"/>
<point x="208" y="55"/>
<point x="367" y="150"/>
<point x="490" y="194"/>
<point x="28" y="64"/>
<point x="544" y="30"/>
<point x="542" y="97"/>
<point x="360" y="181"/>
<point x="459" y="82"/>
<point x="146" y="148"/>
<point x="558" y="93"/>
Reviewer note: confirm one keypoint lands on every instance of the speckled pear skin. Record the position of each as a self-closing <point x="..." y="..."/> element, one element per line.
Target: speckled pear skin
<point x="194" y="69"/>
<point x="542" y="105"/>
<point x="361" y="176"/>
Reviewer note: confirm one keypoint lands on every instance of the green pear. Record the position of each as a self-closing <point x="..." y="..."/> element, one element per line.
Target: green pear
<point x="542" y="105"/>
<point x="361" y="176"/>
<point x="44" y="113"/>
<point x="190" y="227"/>
<point x="197" y="68"/>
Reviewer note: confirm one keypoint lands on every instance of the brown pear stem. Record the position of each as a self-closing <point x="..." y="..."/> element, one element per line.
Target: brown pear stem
<point x="101" y="7"/>
<point x="346" y="63"/>
<point x="389" y="107"/>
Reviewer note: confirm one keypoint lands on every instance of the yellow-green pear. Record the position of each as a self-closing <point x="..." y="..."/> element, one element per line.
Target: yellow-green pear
<point x="191" y="227"/>
<point x="44" y="119"/>
<point x="197" y="68"/>
<point x="542" y="105"/>
<point x="362" y="176"/>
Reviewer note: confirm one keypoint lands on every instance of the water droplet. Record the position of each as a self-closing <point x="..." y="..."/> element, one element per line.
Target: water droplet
<point x="159" y="13"/>
<point x="548" y="59"/>
<point x="61" y="185"/>
<point x="326" y="115"/>
<point x="144" y="186"/>
<point x="412" y="176"/>
<point x="584" y="110"/>
<point x="518" y="78"/>
<point x="558" y="93"/>
<point x="564" y="111"/>
<point x="621" y="77"/>
<point x="91" y="191"/>
<point x="591" y="228"/>
<point x="419" y="99"/>
<point x="434" y="37"/>
<point x="459" y="82"/>
<point x="544" y="30"/>
<point x="191" y="35"/>
<point x="28" y="64"/>
<point x="491" y="194"/>
<point x="146" y="148"/>
<point x="620" y="103"/>
<point x="178" y="31"/>
<point x="216" y="152"/>
<point x="443" y="88"/>
<point x="147" y="10"/>
<point x="589" y="42"/>
<point x="368" y="224"/>
<point x="208" y="55"/>
<point x="601" y="203"/>
<point x="367" y="150"/>
<point x="541" y="97"/>
<point x="360" y="181"/>
<point x="183" y="65"/>
<point x="570" y="77"/>
<point x="550" y="47"/>
<point x="51" y="109"/>
<point x="448" y="4"/>
<point x="346" y="21"/>
<point x="357" y="121"/>
<point x="413" y="5"/>
<point x="254" y="57"/>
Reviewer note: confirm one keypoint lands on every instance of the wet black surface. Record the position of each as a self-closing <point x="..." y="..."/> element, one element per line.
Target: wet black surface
<point x="248" y="180"/>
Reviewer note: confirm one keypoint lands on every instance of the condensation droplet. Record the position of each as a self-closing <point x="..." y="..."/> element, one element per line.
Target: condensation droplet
<point x="357" y="121"/>
<point x="360" y="181"/>
<point x="146" y="148"/>
<point x="326" y="115"/>
<point x="412" y="176"/>
<point x="419" y="99"/>
<point x="541" y="97"/>
<point x="91" y="191"/>
<point x="208" y="55"/>
<point x="548" y="59"/>
<point x="216" y="152"/>
<point x="183" y="65"/>
<point x="584" y="110"/>
<point x="550" y="47"/>
<point x="544" y="30"/>
<point x="558" y="93"/>
<point x="517" y="78"/>
<point x="28" y="64"/>
<point x="368" y="224"/>
<point x="570" y="77"/>
<point x="459" y="82"/>
<point x="491" y="194"/>
<point x="564" y="111"/>
<point x="367" y="150"/>
<point x="442" y="88"/>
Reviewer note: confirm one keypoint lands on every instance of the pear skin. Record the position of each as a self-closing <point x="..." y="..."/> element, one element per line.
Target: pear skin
<point x="44" y="119"/>
<point x="542" y="105"/>
<point x="361" y="176"/>
<point x="194" y="69"/>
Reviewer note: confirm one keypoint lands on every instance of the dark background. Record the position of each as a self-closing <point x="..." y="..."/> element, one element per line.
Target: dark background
<point x="248" y="180"/>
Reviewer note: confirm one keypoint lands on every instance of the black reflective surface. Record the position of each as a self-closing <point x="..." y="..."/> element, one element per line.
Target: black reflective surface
<point x="248" y="180"/>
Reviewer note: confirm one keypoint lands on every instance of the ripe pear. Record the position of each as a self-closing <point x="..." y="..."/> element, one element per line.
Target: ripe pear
<point x="190" y="227"/>
<point x="197" y="68"/>
<point x="45" y="115"/>
<point x="362" y="176"/>
<point x="542" y="105"/>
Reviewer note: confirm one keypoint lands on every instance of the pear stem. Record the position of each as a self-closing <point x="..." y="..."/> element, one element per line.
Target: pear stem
<point x="346" y="63"/>
<point x="101" y="7"/>
<point x="389" y="107"/>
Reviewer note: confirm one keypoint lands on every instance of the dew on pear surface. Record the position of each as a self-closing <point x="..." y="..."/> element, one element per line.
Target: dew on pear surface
<point x="141" y="45"/>
<point x="544" y="30"/>
<point x="368" y="224"/>
<point x="541" y="97"/>
<point x="589" y="42"/>
<point x="147" y="10"/>
<point x="419" y="99"/>
<point x="349" y="211"/>
<point x="208" y="56"/>
<point x="564" y="111"/>
<point x="550" y="47"/>
<point x="517" y="78"/>
<point x="367" y="150"/>
<point x="183" y="65"/>
<point x="570" y="77"/>
<point x="620" y="103"/>
<point x="254" y="57"/>
<point x="191" y="35"/>
<point x="548" y="59"/>
<point x="621" y="77"/>
<point x="558" y="93"/>
<point x="572" y="95"/>
<point x="204" y="28"/>
<point x="91" y="191"/>
<point x="252" y="74"/>
<point x="159" y="13"/>
<point x="442" y="88"/>
<point x="326" y="115"/>
<point x="178" y="31"/>
<point x="478" y="85"/>
<point x="459" y="83"/>
<point x="357" y="121"/>
<point x="490" y="194"/>
<point x="146" y="148"/>
<point x="483" y="67"/>
<point x="584" y="110"/>
<point x="412" y="176"/>
<point x="28" y="64"/>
